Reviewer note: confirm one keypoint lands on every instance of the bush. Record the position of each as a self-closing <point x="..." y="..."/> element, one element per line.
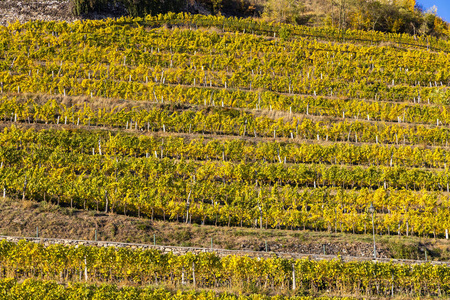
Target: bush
<point x="286" y="11"/>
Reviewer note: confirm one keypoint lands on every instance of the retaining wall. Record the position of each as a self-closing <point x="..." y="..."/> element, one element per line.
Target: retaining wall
<point x="220" y="252"/>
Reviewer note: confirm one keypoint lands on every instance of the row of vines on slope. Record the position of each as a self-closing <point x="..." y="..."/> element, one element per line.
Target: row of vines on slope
<point x="207" y="270"/>
<point x="238" y="61"/>
<point x="11" y="288"/>
<point x="60" y="167"/>
<point x="222" y="121"/>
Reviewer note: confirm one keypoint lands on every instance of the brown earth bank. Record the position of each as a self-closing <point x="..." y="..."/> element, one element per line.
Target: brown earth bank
<point x="30" y="218"/>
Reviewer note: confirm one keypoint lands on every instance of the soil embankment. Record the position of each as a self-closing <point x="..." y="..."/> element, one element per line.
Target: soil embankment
<point x="25" y="218"/>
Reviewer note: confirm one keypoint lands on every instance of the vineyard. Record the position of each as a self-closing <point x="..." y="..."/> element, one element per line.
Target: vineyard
<point x="214" y="121"/>
<point x="208" y="270"/>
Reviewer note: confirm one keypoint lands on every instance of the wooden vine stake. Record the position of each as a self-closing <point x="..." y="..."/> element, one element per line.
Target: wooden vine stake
<point x="187" y="206"/>
<point x="194" y="282"/>
<point x="106" y="202"/>
<point x="293" y="278"/>
<point x="85" y="270"/>
<point x="183" y="282"/>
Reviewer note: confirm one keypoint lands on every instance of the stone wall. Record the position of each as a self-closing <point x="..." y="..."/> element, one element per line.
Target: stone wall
<point x="219" y="252"/>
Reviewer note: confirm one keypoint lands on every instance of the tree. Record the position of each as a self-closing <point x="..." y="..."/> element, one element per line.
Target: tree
<point x="286" y="11"/>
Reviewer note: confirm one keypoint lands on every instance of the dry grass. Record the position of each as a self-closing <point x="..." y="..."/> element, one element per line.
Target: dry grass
<point x="95" y="102"/>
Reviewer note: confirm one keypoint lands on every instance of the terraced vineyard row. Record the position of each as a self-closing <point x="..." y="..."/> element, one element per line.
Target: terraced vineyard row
<point x="266" y="100"/>
<point x="235" y="150"/>
<point x="223" y="121"/>
<point x="136" y="174"/>
<point x="106" y="66"/>
<point x="12" y="289"/>
<point x="80" y="263"/>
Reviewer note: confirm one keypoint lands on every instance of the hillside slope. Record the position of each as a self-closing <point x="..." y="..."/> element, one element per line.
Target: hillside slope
<point x="195" y="127"/>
